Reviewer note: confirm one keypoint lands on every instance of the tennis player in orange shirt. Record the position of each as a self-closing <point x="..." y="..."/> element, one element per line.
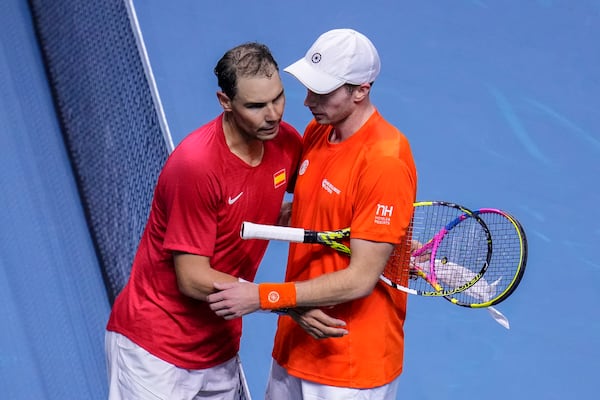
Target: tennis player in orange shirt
<point x="357" y="171"/>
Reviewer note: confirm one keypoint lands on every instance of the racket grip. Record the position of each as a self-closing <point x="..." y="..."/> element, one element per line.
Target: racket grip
<point x="251" y="230"/>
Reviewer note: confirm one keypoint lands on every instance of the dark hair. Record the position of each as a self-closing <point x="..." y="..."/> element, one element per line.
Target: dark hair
<point x="248" y="59"/>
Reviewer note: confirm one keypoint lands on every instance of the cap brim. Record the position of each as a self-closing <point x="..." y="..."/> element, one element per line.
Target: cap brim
<point x="316" y="81"/>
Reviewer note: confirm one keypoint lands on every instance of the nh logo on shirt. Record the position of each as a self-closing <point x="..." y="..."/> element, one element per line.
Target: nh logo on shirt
<point x="383" y="214"/>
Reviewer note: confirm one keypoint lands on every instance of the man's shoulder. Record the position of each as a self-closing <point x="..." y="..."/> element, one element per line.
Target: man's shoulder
<point x="199" y="151"/>
<point x="288" y="138"/>
<point x="382" y="134"/>
<point x="207" y="130"/>
<point x="200" y="140"/>
<point x="287" y="130"/>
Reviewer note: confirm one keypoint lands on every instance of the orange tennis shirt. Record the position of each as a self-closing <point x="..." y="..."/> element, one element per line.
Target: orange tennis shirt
<point x="367" y="182"/>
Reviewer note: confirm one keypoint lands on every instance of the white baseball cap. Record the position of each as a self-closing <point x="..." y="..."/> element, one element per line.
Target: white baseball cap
<point x="337" y="57"/>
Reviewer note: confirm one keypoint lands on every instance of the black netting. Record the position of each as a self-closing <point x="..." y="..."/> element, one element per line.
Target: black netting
<point x="109" y="121"/>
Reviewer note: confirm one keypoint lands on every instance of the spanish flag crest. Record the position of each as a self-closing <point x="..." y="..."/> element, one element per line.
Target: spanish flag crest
<point x="279" y="178"/>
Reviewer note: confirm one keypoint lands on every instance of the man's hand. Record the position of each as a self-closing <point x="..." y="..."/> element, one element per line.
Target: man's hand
<point x="234" y="299"/>
<point x="285" y="214"/>
<point x="318" y="324"/>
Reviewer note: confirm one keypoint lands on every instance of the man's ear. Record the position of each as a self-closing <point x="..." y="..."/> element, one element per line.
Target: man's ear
<point x="362" y="91"/>
<point x="224" y="101"/>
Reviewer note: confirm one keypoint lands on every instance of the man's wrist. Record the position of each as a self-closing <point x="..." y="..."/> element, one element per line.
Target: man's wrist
<point x="277" y="295"/>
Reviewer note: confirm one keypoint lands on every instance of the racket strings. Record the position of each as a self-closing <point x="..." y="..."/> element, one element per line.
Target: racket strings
<point x="461" y="255"/>
<point x="465" y="244"/>
<point x="508" y="258"/>
<point x="397" y="269"/>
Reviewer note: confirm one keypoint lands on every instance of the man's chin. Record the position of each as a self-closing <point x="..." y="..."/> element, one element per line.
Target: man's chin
<point x="268" y="134"/>
<point x="321" y="119"/>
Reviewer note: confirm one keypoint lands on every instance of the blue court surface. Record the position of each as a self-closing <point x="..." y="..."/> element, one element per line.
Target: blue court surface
<point x="500" y="101"/>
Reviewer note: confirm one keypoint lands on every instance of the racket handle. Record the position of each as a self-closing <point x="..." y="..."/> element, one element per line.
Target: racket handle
<point x="251" y="230"/>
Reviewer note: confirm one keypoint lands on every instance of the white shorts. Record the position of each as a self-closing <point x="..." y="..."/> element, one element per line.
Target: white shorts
<point x="282" y="385"/>
<point x="133" y="373"/>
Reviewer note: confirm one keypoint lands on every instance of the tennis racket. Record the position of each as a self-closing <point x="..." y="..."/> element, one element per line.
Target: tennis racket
<point x="441" y="234"/>
<point x="507" y="266"/>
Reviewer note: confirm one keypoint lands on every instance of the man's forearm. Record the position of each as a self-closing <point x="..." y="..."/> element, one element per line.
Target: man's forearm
<point x="355" y="281"/>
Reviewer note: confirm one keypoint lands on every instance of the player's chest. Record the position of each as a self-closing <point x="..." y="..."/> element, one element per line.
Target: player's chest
<point x="245" y="189"/>
<point x="327" y="179"/>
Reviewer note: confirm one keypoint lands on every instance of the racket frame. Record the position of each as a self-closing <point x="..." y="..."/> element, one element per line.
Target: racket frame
<point x="520" y="269"/>
<point x="331" y="239"/>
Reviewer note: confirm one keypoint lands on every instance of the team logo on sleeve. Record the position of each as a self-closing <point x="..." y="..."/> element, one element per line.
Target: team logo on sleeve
<point x="303" y="167"/>
<point x="383" y="214"/>
<point x="279" y="178"/>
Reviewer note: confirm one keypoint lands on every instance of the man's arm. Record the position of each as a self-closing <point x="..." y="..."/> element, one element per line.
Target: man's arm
<point x="367" y="262"/>
<point x="195" y="276"/>
<point x="318" y="324"/>
<point x="357" y="280"/>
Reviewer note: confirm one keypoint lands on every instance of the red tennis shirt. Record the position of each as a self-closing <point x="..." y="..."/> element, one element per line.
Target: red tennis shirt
<point x="203" y="194"/>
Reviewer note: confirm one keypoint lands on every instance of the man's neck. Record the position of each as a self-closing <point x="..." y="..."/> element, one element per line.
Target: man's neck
<point x="249" y="150"/>
<point x="349" y="126"/>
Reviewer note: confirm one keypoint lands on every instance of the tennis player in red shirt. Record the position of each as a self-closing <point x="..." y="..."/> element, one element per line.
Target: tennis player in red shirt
<point x="163" y="341"/>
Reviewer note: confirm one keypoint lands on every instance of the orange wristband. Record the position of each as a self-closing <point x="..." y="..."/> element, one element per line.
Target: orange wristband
<point x="277" y="295"/>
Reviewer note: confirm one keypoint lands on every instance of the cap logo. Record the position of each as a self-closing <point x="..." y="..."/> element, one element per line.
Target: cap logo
<point x="316" y="58"/>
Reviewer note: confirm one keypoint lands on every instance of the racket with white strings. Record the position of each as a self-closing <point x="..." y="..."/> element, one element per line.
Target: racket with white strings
<point x="441" y="234"/>
<point x="507" y="265"/>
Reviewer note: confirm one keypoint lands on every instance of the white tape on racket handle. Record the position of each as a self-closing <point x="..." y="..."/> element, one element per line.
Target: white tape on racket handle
<point x="270" y="232"/>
